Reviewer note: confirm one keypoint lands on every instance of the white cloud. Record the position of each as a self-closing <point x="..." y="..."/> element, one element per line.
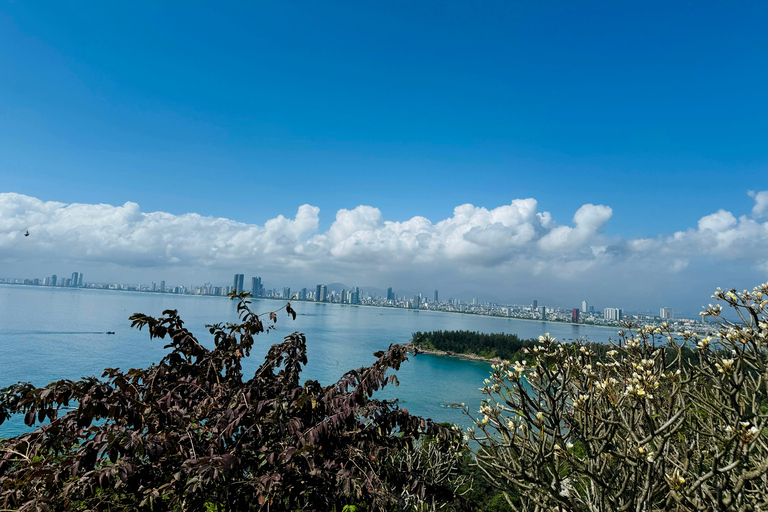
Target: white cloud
<point x="760" y="209"/>
<point x="589" y="219"/>
<point x="506" y="244"/>
<point x="717" y="222"/>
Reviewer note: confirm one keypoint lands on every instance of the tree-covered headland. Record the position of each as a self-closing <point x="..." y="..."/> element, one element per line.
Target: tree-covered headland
<point x="489" y="346"/>
<point x="509" y="347"/>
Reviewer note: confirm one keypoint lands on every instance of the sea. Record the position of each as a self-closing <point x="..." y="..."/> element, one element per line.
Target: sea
<point x="48" y="334"/>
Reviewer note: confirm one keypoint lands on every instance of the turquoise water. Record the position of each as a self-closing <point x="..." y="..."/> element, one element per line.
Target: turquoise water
<point x="48" y="334"/>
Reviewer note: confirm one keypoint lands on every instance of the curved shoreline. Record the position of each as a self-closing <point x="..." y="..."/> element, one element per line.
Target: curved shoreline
<point x="412" y="349"/>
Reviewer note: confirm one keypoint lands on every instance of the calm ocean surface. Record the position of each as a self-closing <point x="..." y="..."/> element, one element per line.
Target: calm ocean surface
<point x="48" y="334"/>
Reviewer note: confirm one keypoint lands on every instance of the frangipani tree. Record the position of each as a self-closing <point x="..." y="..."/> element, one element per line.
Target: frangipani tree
<point x="652" y="424"/>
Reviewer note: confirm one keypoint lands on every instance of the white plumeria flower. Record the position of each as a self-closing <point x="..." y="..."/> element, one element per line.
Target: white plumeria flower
<point x="725" y="366"/>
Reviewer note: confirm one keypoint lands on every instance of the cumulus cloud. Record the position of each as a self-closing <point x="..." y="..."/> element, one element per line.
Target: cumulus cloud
<point x="589" y="219"/>
<point x="512" y="239"/>
<point x="760" y="210"/>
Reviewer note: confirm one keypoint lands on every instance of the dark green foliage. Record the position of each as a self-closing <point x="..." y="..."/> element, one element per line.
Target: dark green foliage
<point x="512" y="348"/>
<point x="193" y="433"/>
<point x="504" y="346"/>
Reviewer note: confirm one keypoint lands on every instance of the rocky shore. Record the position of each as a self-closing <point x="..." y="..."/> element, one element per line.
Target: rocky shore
<point x="413" y="349"/>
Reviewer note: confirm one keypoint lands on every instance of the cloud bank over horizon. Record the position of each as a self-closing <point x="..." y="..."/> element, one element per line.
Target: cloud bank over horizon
<point x="510" y="246"/>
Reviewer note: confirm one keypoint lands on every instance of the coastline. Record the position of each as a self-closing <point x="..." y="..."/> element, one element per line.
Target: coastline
<point x="614" y="328"/>
<point x="411" y="349"/>
<point x="498" y="317"/>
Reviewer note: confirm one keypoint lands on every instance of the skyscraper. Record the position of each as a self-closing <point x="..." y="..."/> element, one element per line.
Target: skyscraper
<point x="390" y="295"/>
<point x="318" y="292"/>
<point x="542" y="312"/>
<point x="237" y="285"/>
<point x="436" y="297"/>
<point x="612" y="314"/>
<point x="355" y="298"/>
<point x="575" y="315"/>
<point x="584" y="307"/>
<point x="323" y="293"/>
<point x="73" y="280"/>
<point x="80" y="280"/>
<point x="53" y="280"/>
<point x="162" y="286"/>
<point x="535" y="304"/>
<point x="666" y="314"/>
<point x="256" y="288"/>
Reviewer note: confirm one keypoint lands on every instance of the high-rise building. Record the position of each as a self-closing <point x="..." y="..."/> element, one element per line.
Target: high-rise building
<point x="614" y="314"/>
<point x="666" y="314"/>
<point x="416" y="301"/>
<point x="542" y="312"/>
<point x="575" y="315"/>
<point x="535" y="304"/>
<point x="390" y="295"/>
<point x="286" y="292"/>
<point x="436" y="297"/>
<point x="162" y="286"/>
<point x="237" y="285"/>
<point x="318" y="291"/>
<point x="303" y="294"/>
<point x="584" y="307"/>
<point x="73" y="279"/>
<point x="53" y="280"/>
<point x="257" y="290"/>
<point x="355" y="296"/>
<point x="80" y="280"/>
<point x="323" y="293"/>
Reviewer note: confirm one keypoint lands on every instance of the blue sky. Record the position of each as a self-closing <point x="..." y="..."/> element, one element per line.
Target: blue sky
<point x="656" y="109"/>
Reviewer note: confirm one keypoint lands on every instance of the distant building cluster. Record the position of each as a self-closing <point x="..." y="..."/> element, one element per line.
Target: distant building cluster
<point x="666" y="314"/>
<point x="75" y="281"/>
<point x="586" y="314"/>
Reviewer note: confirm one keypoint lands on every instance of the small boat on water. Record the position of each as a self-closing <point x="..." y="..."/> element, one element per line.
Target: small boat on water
<point x="110" y="332"/>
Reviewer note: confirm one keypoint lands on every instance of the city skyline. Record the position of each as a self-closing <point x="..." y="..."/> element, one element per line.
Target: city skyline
<point x="341" y="293"/>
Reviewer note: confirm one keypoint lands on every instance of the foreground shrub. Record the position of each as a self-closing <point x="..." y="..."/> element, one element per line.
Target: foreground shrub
<point x="192" y="433"/>
<point x="639" y="430"/>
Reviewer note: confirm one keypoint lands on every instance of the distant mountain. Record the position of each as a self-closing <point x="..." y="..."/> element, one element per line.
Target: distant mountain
<point x="337" y="287"/>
